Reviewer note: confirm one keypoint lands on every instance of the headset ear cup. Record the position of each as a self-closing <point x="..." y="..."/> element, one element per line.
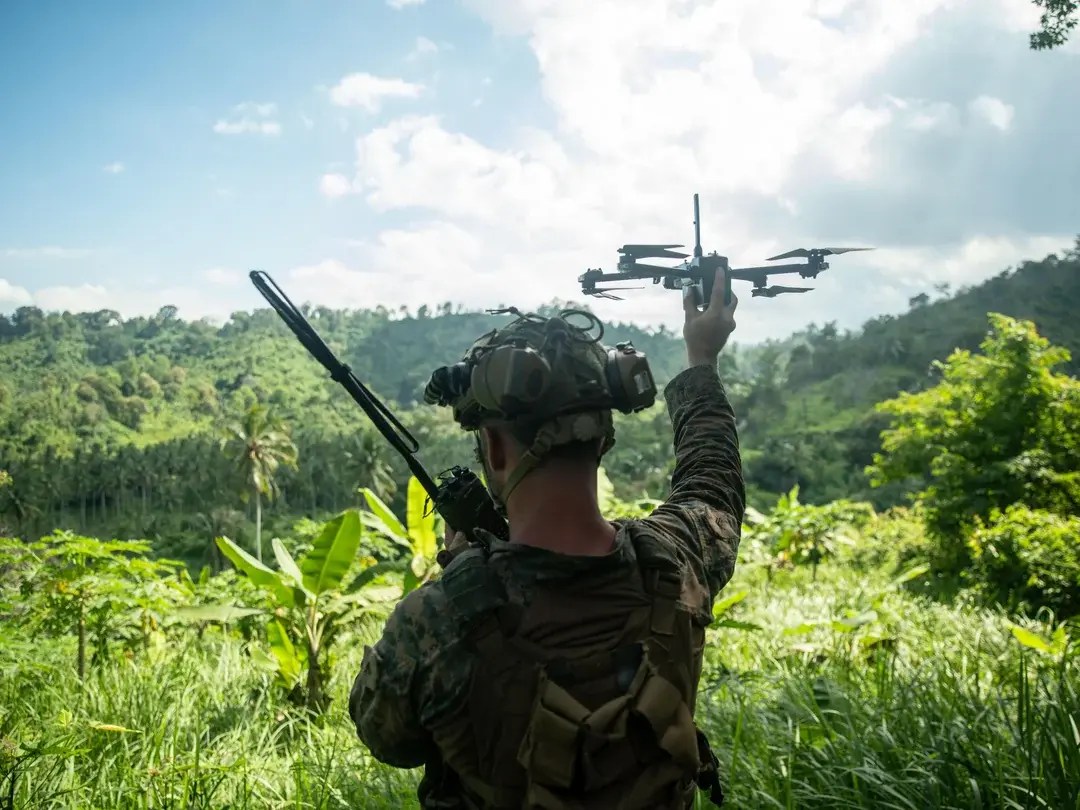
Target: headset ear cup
<point x="629" y="378"/>
<point x="614" y="380"/>
<point x="510" y="379"/>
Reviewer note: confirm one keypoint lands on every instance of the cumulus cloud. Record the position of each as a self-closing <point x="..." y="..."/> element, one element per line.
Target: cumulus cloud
<point x="334" y="185"/>
<point x="368" y="92"/>
<point x="113" y="168"/>
<point x="12" y="296"/>
<point x="128" y="299"/>
<point x="250" y="117"/>
<point x="397" y="5"/>
<point x="995" y="111"/>
<point x="74" y="298"/>
<point x="799" y="122"/>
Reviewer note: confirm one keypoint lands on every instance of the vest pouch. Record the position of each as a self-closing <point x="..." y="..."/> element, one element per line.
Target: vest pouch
<point x="563" y="737"/>
<point x="549" y="749"/>
<point x="660" y="703"/>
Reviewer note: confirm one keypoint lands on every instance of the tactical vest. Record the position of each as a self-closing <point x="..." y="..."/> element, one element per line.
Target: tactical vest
<point x="562" y="726"/>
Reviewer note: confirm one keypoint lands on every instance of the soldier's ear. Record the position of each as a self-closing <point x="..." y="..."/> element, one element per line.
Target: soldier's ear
<point x="495" y="446"/>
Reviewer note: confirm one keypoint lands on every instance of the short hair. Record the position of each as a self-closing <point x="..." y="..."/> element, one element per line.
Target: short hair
<point x="523" y="433"/>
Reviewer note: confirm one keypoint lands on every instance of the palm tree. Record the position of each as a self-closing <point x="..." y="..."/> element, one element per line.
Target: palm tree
<point x="367" y="465"/>
<point x="259" y="444"/>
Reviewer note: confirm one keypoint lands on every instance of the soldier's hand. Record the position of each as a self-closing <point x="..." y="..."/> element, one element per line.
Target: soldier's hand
<point x="707" y="332"/>
<point x="453" y="540"/>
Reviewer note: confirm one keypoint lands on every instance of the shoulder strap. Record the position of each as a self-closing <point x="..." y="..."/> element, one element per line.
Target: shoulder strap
<point x="661" y="576"/>
<point x="471" y="586"/>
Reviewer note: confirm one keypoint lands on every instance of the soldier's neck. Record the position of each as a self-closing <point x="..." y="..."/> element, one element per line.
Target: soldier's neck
<point x="557" y="510"/>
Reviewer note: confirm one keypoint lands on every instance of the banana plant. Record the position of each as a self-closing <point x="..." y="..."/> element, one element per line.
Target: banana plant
<point x="311" y="598"/>
<point x="418" y="535"/>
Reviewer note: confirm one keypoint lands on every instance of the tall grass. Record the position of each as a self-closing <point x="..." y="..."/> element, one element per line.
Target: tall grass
<point x="902" y="704"/>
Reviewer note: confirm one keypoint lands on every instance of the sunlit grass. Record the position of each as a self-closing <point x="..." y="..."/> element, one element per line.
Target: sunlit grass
<point x="916" y="705"/>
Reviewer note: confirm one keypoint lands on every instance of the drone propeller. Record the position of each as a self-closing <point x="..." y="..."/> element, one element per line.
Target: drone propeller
<point x="772" y="292"/>
<point x="804" y="253"/>
<point x="606" y="292"/>
<point x="652" y="252"/>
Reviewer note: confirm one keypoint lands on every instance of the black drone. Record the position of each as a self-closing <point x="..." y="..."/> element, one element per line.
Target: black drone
<point x="700" y="270"/>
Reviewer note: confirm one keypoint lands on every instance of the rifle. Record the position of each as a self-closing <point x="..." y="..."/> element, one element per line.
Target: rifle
<point x="459" y="495"/>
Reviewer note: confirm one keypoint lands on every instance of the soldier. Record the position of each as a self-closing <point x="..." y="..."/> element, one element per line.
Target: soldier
<point x="560" y="669"/>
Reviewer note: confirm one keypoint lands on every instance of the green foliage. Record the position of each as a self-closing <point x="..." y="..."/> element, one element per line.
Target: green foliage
<point x="891" y="541"/>
<point x="310" y="600"/>
<point x="795" y="533"/>
<point x="1058" y="19"/>
<point x="418" y="535"/>
<point x="1026" y="559"/>
<point x="100" y="592"/>
<point x="260" y="444"/>
<point x="845" y="692"/>
<point x="1001" y="427"/>
<point x="111" y="426"/>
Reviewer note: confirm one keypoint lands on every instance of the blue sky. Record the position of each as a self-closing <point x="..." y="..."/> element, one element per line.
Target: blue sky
<point x="488" y="152"/>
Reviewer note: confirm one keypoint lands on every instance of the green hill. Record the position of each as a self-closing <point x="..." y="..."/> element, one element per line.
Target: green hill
<point x="808" y="414"/>
<point x="111" y="425"/>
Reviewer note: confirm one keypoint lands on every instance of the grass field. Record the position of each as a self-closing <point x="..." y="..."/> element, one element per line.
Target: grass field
<point x="847" y="692"/>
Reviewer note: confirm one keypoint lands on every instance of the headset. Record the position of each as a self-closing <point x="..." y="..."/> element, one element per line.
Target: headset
<point x="511" y="378"/>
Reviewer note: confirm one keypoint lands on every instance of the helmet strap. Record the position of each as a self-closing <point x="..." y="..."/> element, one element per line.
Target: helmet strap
<point x="489" y="482"/>
<point x="563" y="428"/>
<point x="532" y="457"/>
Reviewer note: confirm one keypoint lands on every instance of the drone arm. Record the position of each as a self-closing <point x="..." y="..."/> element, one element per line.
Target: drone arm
<point x="750" y="273"/>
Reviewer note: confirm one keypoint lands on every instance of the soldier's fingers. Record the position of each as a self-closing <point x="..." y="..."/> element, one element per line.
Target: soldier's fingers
<point x="690" y="304"/>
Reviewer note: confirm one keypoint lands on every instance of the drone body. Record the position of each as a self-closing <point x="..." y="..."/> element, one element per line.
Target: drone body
<point x="700" y="270"/>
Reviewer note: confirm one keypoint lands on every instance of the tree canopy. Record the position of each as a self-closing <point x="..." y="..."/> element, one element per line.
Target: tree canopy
<point x="1000" y="428"/>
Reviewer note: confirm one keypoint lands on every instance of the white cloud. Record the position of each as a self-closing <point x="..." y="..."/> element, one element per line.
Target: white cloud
<point x="995" y="111"/>
<point x="397" y="5"/>
<point x="734" y="100"/>
<point x="81" y="298"/>
<point x="131" y="300"/>
<point x="368" y="92"/>
<point x="922" y="115"/>
<point x="916" y="268"/>
<point x="247" y="125"/>
<point x="254" y="117"/>
<point x="12" y="296"/>
<point x="423" y="47"/>
<point x="113" y="168"/>
<point x="334" y="185"/>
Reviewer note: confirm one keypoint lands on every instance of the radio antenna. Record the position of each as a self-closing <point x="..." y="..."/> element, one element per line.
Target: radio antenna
<point x="697" y="229"/>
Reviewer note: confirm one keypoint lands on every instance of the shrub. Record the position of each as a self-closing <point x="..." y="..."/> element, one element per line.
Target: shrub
<point x="1027" y="559"/>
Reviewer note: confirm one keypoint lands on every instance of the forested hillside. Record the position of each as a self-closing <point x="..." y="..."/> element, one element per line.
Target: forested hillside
<point x="114" y="426"/>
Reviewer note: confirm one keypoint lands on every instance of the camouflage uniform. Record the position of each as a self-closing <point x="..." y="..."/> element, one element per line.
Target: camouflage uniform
<point x="415" y="679"/>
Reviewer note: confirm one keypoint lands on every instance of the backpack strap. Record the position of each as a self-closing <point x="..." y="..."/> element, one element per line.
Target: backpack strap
<point x="662" y="578"/>
<point x="478" y="597"/>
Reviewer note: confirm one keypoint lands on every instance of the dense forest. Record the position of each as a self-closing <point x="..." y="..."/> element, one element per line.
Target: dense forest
<point x="140" y="427"/>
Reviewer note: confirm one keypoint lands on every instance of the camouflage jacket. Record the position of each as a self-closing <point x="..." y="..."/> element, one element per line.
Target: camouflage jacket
<point x="420" y="669"/>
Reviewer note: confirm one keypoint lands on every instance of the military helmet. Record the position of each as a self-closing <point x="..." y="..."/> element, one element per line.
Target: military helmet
<point x="548" y="374"/>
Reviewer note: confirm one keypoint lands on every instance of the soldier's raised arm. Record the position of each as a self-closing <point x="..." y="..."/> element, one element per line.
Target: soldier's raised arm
<point x="703" y="513"/>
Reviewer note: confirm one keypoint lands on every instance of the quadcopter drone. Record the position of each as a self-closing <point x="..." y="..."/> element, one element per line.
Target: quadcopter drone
<point x="700" y="271"/>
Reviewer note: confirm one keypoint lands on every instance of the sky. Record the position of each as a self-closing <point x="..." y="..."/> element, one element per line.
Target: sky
<point x="488" y="152"/>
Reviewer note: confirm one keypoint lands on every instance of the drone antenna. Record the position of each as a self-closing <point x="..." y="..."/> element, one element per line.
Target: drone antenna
<point x="697" y="229"/>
